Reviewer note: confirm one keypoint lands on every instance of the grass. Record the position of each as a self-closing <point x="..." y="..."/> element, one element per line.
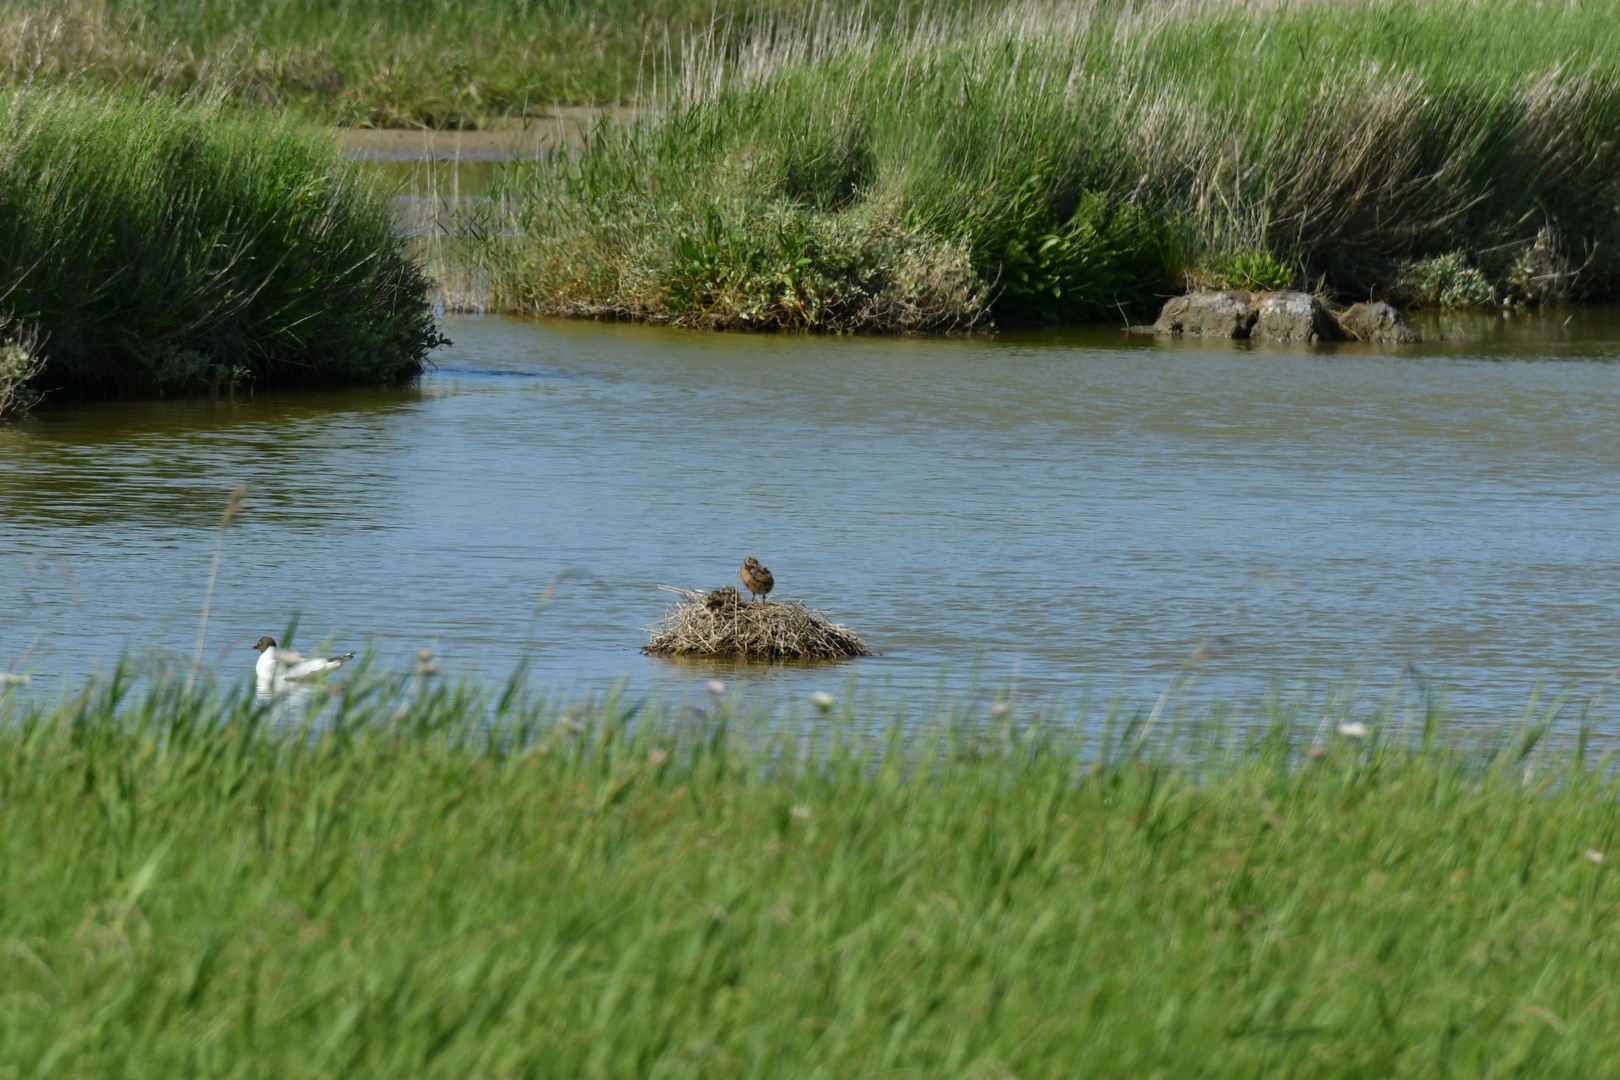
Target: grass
<point x="449" y="883"/>
<point x="162" y="247"/>
<point x="1057" y="164"/>
<point x="434" y="63"/>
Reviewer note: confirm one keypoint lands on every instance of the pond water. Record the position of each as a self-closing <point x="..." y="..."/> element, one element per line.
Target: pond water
<point x="1080" y="511"/>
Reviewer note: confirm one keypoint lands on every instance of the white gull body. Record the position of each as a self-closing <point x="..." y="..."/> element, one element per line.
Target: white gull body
<point x="276" y="666"/>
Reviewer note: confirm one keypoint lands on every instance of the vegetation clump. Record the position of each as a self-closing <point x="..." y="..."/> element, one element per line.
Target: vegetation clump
<point x="1442" y="281"/>
<point x="167" y="247"/>
<point x="719" y="623"/>
<point x="1251" y="271"/>
<point x="19" y="366"/>
<point x="440" y="882"/>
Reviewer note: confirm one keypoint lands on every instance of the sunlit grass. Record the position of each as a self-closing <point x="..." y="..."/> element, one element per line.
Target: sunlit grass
<point x="457" y="885"/>
<point x="439" y="63"/>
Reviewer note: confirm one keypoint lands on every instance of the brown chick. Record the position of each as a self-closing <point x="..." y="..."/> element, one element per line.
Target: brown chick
<point x="722" y="599"/>
<point x="756" y="579"/>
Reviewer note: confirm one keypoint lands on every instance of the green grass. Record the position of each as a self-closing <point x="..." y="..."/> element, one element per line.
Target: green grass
<point x="164" y="247"/>
<point x="463" y="886"/>
<point x="439" y="63"/>
<point x="1043" y="163"/>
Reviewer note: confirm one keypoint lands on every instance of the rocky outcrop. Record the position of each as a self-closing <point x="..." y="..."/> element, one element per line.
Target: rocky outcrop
<point x="1379" y="323"/>
<point x="1207" y="314"/>
<point x="1293" y="316"/>
<point x="1279" y="316"/>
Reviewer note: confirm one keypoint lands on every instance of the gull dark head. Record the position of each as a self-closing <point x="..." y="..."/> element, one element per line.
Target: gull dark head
<point x="265" y="643"/>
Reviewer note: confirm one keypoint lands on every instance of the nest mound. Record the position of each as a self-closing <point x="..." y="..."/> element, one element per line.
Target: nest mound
<point x="721" y="623"/>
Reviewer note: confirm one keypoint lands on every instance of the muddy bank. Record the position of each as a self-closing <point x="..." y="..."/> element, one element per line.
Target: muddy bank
<point x="564" y="128"/>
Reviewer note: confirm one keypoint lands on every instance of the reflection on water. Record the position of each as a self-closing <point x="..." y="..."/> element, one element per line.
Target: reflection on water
<point x="1086" y="510"/>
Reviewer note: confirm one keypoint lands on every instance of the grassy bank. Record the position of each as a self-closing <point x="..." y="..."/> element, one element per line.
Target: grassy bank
<point x="163" y="247"/>
<point x="1038" y="163"/>
<point x="190" y="887"/>
<point x="439" y="63"/>
<point x="843" y="166"/>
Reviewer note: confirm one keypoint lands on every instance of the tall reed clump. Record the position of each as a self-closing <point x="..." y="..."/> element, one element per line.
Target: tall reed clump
<point x="453" y="884"/>
<point x="1078" y="163"/>
<point x="156" y="247"/>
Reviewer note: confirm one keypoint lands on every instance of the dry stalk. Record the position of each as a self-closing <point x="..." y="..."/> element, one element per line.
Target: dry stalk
<point x="231" y="507"/>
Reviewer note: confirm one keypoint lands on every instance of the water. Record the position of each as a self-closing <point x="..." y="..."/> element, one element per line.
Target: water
<point x="1086" y="513"/>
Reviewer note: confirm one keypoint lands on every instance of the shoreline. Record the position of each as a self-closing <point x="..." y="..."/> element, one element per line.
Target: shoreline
<point x="566" y="128"/>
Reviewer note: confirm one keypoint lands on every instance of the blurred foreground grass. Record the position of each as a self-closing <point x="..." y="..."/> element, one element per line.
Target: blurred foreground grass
<point x="453" y="884"/>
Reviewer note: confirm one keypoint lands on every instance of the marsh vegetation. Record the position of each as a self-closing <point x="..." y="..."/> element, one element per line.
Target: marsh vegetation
<point x="1035" y="163"/>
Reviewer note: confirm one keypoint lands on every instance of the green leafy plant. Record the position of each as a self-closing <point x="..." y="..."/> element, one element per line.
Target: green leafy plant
<point x="1256" y="271"/>
<point x="20" y="365"/>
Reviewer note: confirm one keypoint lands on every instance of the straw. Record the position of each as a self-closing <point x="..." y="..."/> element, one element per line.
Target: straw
<point x="720" y="623"/>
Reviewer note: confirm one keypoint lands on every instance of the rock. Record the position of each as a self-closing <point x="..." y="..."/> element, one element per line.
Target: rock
<point x="1207" y="314"/>
<point x="1292" y="316"/>
<point x="1280" y="316"/>
<point x="1379" y="323"/>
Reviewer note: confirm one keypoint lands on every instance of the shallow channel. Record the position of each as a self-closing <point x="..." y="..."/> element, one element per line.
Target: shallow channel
<point x="1086" y="513"/>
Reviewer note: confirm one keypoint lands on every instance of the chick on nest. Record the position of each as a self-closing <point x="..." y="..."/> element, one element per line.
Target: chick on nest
<point x="756" y="578"/>
<point x="723" y="599"/>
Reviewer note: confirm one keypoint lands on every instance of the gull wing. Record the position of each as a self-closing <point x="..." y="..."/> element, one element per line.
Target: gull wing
<point x="309" y="669"/>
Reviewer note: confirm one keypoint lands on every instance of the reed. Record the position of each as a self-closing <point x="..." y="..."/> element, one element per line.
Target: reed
<point x="1032" y="162"/>
<point x="452" y="882"/>
<point x="158" y="247"/>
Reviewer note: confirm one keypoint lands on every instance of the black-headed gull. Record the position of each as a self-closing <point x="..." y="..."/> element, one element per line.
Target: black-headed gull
<point x="276" y="665"/>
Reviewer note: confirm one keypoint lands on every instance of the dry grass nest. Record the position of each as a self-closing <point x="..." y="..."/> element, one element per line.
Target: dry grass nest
<point x="721" y="623"/>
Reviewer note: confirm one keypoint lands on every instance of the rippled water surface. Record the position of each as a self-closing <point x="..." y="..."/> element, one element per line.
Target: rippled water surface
<point x="1090" y="512"/>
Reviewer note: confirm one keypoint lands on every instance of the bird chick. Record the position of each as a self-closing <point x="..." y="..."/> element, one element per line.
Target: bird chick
<point x="756" y="578"/>
<point x="722" y="599"/>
